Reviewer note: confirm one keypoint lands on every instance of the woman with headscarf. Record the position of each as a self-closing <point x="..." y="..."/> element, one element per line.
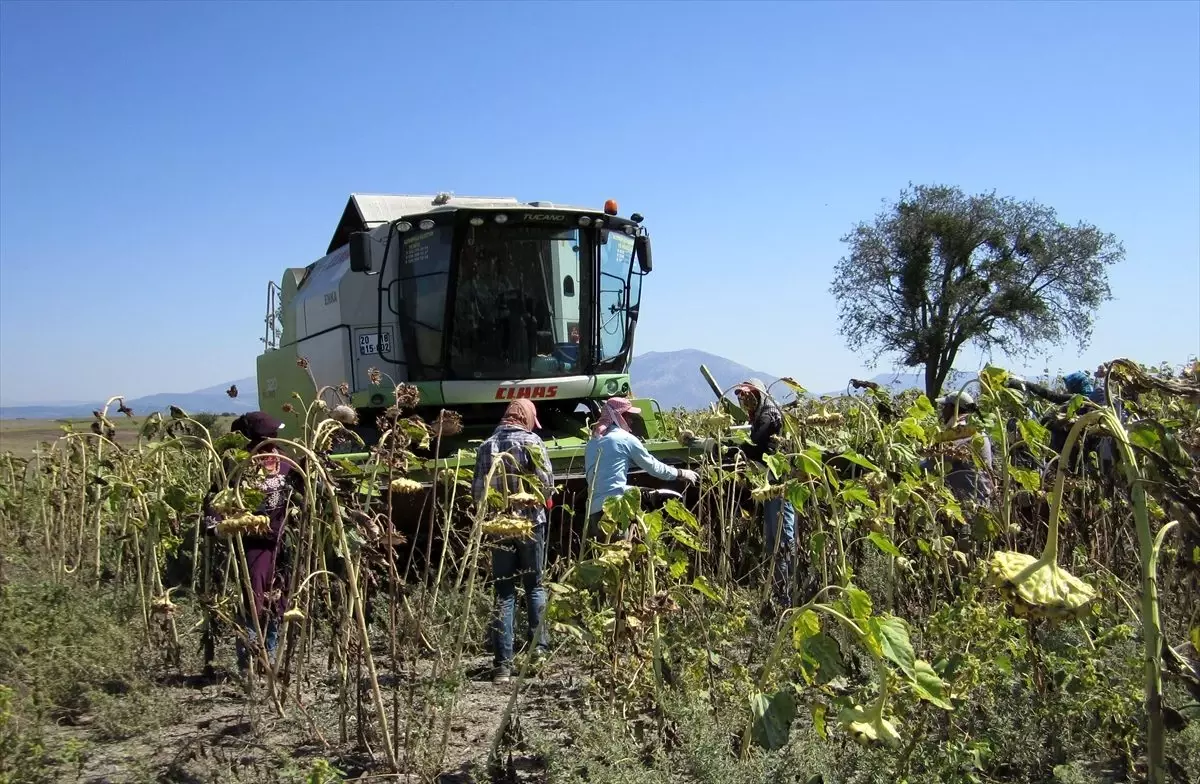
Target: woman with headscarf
<point x="779" y="517"/>
<point x="276" y="483"/>
<point x="527" y="457"/>
<point x="612" y="450"/>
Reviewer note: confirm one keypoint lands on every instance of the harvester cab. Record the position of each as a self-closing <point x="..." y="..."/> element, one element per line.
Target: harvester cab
<point x="475" y="302"/>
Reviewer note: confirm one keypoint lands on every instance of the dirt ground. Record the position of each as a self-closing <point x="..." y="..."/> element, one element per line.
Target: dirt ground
<point x="218" y="737"/>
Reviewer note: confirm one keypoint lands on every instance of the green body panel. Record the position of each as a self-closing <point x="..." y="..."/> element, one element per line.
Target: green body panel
<point x="279" y="380"/>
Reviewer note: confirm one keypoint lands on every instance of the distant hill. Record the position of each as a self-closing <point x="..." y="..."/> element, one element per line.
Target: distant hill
<point x="670" y="377"/>
<point x="210" y="399"/>
<point x="673" y="378"/>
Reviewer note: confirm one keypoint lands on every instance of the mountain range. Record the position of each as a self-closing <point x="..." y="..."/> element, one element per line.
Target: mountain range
<point x="671" y="377"/>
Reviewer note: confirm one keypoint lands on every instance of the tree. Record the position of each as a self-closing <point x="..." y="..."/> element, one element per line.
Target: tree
<point x="940" y="269"/>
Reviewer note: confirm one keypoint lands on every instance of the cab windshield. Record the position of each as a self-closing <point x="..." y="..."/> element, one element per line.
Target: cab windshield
<point x="518" y="302"/>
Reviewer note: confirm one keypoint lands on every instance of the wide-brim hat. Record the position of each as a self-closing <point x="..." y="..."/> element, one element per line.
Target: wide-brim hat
<point x="257" y="426"/>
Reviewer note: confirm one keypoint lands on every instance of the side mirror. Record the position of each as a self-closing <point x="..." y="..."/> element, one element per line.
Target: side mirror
<point x="641" y="249"/>
<point x="360" y="252"/>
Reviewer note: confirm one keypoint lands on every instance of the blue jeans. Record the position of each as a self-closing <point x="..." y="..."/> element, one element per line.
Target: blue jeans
<point x="244" y="651"/>
<point x="510" y="560"/>
<point x="785" y="536"/>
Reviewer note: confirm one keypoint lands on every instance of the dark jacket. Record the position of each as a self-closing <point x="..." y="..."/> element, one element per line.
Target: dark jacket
<point x="765" y="424"/>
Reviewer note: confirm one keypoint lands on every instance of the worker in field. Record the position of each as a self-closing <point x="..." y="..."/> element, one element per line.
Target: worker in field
<point x="277" y="482"/>
<point x="1080" y="383"/>
<point x="611" y="451"/>
<point x="961" y="471"/>
<point x="779" y="517"/>
<point x="514" y="451"/>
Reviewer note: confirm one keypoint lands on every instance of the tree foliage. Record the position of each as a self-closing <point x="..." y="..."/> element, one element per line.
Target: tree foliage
<point x="940" y="269"/>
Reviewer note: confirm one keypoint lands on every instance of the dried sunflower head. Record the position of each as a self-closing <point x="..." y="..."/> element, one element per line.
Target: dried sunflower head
<point x="405" y="485"/>
<point x="523" y="501"/>
<point x="617" y="553"/>
<point x="302" y="362"/>
<point x="374" y="376"/>
<point x="869" y="725"/>
<point x="447" y="424"/>
<point x="825" y="418"/>
<point x="1039" y="587"/>
<point x="347" y="415"/>
<point x="407" y="396"/>
<point x="162" y="605"/>
<point x="508" y="527"/>
<point x="244" y="523"/>
<point x="767" y="492"/>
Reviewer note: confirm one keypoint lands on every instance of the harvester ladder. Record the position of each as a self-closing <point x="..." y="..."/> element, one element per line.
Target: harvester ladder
<point x="270" y="337"/>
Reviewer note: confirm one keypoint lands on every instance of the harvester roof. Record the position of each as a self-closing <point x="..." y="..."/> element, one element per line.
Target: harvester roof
<point x="365" y="211"/>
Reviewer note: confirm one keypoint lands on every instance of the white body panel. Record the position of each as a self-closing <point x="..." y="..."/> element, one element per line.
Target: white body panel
<point x="328" y="357"/>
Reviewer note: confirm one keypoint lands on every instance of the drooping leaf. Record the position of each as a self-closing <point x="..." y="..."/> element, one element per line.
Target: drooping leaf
<point x="817" y="543"/>
<point x="231" y="440"/>
<point x="181" y="500"/>
<point x="679" y="512"/>
<point x="811" y="462"/>
<point x="1027" y="478"/>
<point x="892" y="636"/>
<point x="993" y="377"/>
<point x="929" y="686"/>
<point x="773" y="717"/>
<point x="687" y="539"/>
<point x="570" y="629"/>
<point x="778" y="465"/>
<point x="705" y="587"/>
<point x="912" y="428"/>
<point x="855" y="492"/>
<point x="654" y="525"/>
<point x="252" y="498"/>
<point x="884" y="543"/>
<point x="859" y="603"/>
<point x="622" y="509"/>
<point x="678" y="564"/>
<point x="859" y="460"/>
<point x="794" y="385"/>
<point x="818" y="719"/>
<point x="798" y="494"/>
<point x="1034" y="434"/>
<point x="921" y="408"/>
<point x="822" y="651"/>
<point x="1146" y="434"/>
<point x="805" y="625"/>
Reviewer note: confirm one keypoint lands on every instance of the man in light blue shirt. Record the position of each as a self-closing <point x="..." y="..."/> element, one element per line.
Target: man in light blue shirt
<point x="610" y="453"/>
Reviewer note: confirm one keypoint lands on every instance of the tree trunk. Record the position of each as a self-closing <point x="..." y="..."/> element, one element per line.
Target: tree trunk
<point x="934" y="377"/>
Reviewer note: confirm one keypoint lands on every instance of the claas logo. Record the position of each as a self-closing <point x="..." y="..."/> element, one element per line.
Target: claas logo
<point x="533" y="393"/>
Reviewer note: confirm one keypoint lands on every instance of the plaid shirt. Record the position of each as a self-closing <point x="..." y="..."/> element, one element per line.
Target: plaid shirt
<point x="520" y="443"/>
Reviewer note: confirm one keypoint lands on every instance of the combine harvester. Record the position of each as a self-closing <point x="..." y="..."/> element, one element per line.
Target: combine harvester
<point x="476" y="302"/>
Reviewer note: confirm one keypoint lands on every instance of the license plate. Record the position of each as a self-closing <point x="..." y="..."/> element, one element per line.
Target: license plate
<point x="370" y="344"/>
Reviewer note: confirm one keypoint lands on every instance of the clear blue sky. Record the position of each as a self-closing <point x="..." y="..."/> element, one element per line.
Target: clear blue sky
<point x="160" y="162"/>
